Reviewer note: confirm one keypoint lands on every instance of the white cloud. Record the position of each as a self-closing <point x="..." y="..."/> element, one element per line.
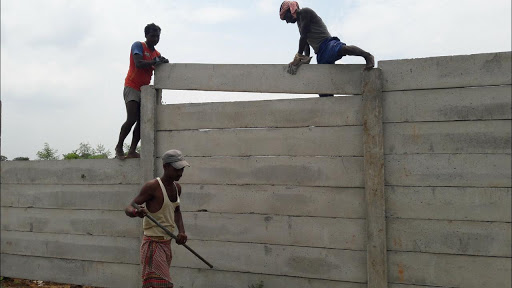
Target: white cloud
<point x="64" y="62"/>
<point x="411" y="29"/>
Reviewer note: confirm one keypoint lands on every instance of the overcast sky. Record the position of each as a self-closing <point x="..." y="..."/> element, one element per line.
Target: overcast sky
<point x="63" y="62"/>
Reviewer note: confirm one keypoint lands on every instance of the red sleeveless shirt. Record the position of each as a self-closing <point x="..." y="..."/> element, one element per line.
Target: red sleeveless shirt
<point x="136" y="77"/>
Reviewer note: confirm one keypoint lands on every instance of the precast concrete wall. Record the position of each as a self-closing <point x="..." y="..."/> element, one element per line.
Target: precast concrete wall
<point x="447" y="131"/>
<point x="64" y="221"/>
<point x="404" y="182"/>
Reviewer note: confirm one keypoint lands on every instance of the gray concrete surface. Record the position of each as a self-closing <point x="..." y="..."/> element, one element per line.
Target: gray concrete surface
<point x="275" y="200"/>
<point x="337" y="79"/>
<point x="292" y="219"/>
<point x="311" y="141"/>
<point x="331" y="111"/>
<point x="436" y="105"/>
<point x="297" y="171"/>
<point x="99" y="274"/>
<point x="448" y="71"/>
<point x="449" y="203"/>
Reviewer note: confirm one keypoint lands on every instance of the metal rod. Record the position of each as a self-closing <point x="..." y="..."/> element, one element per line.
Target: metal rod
<point x="134" y="205"/>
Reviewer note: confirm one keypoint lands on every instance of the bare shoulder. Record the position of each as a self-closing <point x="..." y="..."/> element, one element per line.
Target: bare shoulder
<point x="150" y="186"/>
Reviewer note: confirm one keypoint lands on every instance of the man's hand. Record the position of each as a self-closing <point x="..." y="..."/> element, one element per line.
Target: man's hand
<point x="181" y="238"/>
<point x="159" y="60"/>
<point x="298" y="60"/>
<point x="140" y="212"/>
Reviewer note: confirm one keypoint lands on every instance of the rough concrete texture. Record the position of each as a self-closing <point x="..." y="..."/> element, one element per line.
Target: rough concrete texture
<point x="306" y="262"/>
<point x="435" y="105"/>
<point x="331" y="111"/>
<point x="297" y="171"/>
<point x="311" y="141"/>
<point x="200" y="278"/>
<point x="449" y="203"/>
<point x="79" y="247"/>
<point x="100" y="274"/>
<point x="447" y="72"/>
<point x="81" y="172"/>
<point x="336" y="79"/>
<point x="295" y="214"/>
<point x="481" y="137"/>
<point x="275" y="200"/>
<point x="101" y="197"/>
<point x="336" y="233"/>
<point x="445" y="270"/>
<point x="464" y="170"/>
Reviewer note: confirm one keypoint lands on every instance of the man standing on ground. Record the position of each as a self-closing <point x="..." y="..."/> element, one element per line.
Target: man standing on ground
<point x="314" y="33"/>
<point x="162" y="201"/>
<point x="143" y="59"/>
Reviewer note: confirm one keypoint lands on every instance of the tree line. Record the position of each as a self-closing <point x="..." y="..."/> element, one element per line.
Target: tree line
<point x="84" y="151"/>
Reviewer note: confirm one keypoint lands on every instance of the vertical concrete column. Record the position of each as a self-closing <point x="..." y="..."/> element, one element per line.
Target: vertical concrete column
<point x="374" y="179"/>
<point x="149" y="100"/>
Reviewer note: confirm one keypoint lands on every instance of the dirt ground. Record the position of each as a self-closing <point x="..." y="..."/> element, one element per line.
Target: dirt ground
<point x="13" y="282"/>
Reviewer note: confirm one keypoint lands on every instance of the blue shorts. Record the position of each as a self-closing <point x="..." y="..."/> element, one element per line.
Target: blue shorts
<point x="328" y="51"/>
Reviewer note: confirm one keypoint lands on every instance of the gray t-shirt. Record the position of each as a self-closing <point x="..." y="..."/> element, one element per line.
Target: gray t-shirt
<point x="318" y="31"/>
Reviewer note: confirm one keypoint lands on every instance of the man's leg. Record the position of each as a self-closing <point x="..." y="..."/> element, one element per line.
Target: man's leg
<point x="136" y="137"/>
<point x="132" y="114"/>
<point x="356" y="51"/>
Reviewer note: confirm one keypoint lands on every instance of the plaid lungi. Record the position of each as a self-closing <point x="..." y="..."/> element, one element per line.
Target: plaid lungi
<point x="155" y="257"/>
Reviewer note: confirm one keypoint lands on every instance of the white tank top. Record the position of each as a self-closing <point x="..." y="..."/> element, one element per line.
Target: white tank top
<point x="164" y="216"/>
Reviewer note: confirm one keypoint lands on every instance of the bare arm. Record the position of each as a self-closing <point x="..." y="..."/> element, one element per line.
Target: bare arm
<point x="145" y="195"/>
<point x="182" y="237"/>
<point x="141" y="64"/>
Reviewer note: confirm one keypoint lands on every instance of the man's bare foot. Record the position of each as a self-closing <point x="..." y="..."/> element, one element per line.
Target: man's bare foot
<point x="132" y="155"/>
<point x="120" y="154"/>
<point x="370" y="62"/>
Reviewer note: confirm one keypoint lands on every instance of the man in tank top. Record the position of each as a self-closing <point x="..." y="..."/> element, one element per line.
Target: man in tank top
<point x="160" y="198"/>
<point x="314" y="33"/>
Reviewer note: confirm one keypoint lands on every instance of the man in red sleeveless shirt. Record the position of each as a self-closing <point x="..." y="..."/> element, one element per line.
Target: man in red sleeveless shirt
<point x="143" y="59"/>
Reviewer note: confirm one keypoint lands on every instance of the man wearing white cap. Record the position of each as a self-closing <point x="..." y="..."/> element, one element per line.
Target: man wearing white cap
<point x="161" y="197"/>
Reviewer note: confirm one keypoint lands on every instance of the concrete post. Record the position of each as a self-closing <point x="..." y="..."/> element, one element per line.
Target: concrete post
<point x="374" y="179"/>
<point x="149" y="99"/>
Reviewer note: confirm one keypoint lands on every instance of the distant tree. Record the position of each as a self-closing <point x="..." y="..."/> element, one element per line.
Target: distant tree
<point x="126" y="147"/>
<point x="85" y="151"/>
<point x="101" y="153"/>
<point x="47" y="153"/>
<point x="3" y="158"/>
<point x="21" y="159"/>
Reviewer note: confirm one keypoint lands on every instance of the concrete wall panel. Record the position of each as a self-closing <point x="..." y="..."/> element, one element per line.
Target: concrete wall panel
<point x="327" y="264"/>
<point x="83" y="222"/>
<point x="275" y="200"/>
<point x="100" y="274"/>
<point x="95" y="197"/>
<point x="486" y="137"/>
<point x="200" y="278"/>
<point x="314" y="79"/>
<point x="312" y="141"/>
<point x="449" y="203"/>
<point x="448" y="270"/>
<point x="77" y="247"/>
<point x="475" y="103"/>
<point x="473" y="170"/>
<point x="84" y="172"/>
<point x="330" y="111"/>
<point x="446" y="72"/>
<point x="450" y="237"/>
<point x="335" y="233"/>
<point x="296" y="171"/>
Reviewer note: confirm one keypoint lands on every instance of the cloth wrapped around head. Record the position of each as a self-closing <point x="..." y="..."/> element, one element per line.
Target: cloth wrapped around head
<point x="292" y="5"/>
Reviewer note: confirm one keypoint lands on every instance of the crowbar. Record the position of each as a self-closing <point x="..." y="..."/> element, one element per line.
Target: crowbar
<point x="136" y="206"/>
